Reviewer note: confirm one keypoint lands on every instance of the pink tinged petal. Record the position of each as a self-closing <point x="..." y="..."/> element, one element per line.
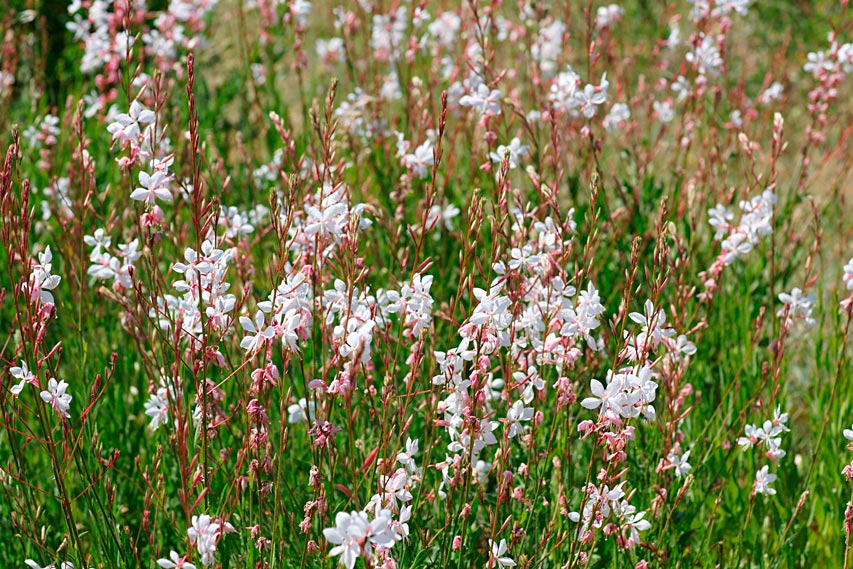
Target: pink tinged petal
<point x="163" y="194"/>
<point x="247" y="324"/>
<point x="333" y="536"/>
<point x="590" y="403"/>
<point x="349" y="557"/>
<point x="140" y="194"/>
<point x="637" y="317"/>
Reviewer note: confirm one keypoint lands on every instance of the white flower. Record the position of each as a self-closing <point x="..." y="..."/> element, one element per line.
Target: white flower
<point x="446" y="216"/>
<point x="497" y="554"/>
<point x="763" y="480"/>
<point x="421" y="160"/>
<point x="359" y="338"/>
<point x="301" y="412"/>
<point x="680" y="465"/>
<point x="591" y="97"/>
<point x="848" y="275"/>
<point x="755" y="223"/>
<point x="664" y="111"/>
<point x="396" y="487"/>
<point x="100" y="240"/>
<point x="157" y="408"/>
<point x="406" y="458"/>
<point x="483" y="99"/>
<point x="674" y="38"/>
<point x="633" y="522"/>
<point x="682" y="88"/>
<point x="845" y="57"/>
<point x="41" y="279"/>
<point x="204" y="534"/>
<point x="683" y="346"/>
<point x="720" y="216"/>
<point x="330" y="50"/>
<point x="799" y="306"/>
<point x="300" y="10"/>
<point x="773" y="93"/>
<point x="818" y="62"/>
<point x="563" y="90"/>
<point x="57" y="398"/>
<point x="606" y="16"/>
<point x="62" y="565"/>
<point x="516" y="414"/>
<point x="24" y="374"/>
<point x="522" y="259"/>
<point x="236" y="222"/>
<point x="725" y="7"/>
<point x="328" y="222"/>
<point x="402" y="525"/>
<point x="154" y="186"/>
<point x="515" y="150"/>
<point x="629" y="393"/>
<point x="354" y="534"/>
<point x="175" y="562"/>
<point x="126" y="127"/>
<point x="258" y="334"/>
<point x="736" y="118"/>
<point x="445" y="27"/>
<point x="382" y="531"/>
<point x="706" y="57"/>
<point x="752" y="436"/>
<point x="482" y="469"/>
<point x="549" y="46"/>
<point x="604" y="398"/>
<point x="618" y="115"/>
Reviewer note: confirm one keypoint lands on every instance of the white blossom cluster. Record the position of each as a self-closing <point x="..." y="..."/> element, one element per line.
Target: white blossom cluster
<point x="204" y="297"/>
<point x="766" y="436"/>
<point x="754" y="224"/>
<point x="115" y="266"/>
<point x="372" y="532"/>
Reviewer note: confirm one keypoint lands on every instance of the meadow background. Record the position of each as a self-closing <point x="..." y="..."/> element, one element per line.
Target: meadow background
<point x="425" y="284"/>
